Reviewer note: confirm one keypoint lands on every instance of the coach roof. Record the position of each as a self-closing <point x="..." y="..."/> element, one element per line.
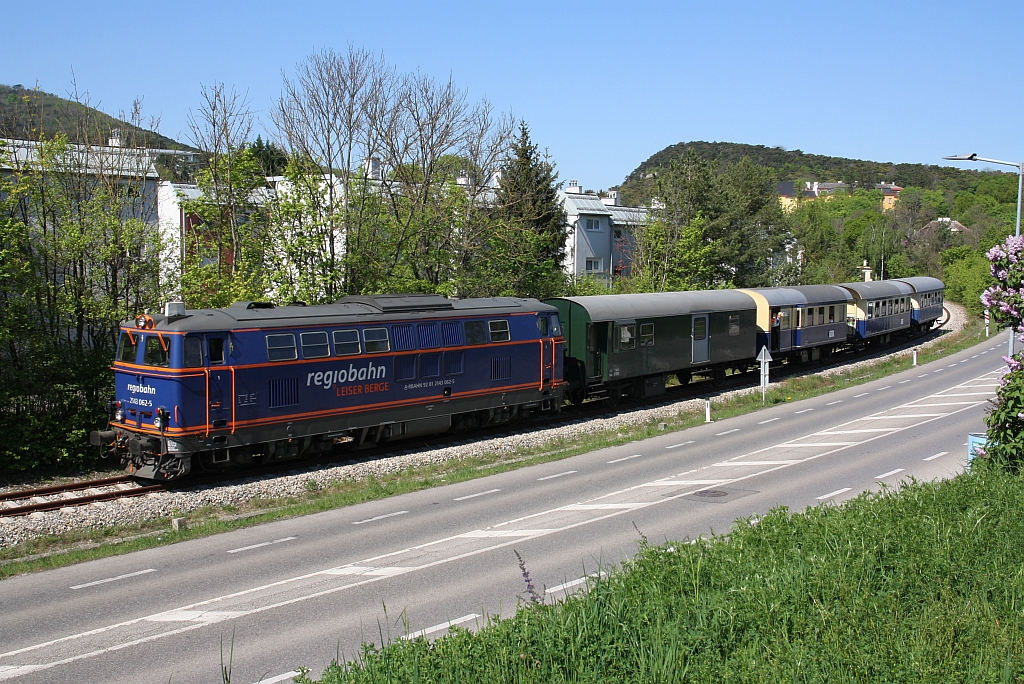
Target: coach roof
<point x="803" y="294"/>
<point x="346" y="311"/>
<point x="659" y="304"/>
<point x="878" y="289"/>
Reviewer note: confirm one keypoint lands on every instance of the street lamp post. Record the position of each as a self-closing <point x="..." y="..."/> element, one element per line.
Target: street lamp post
<point x="1020" y="190"/>
<point x="1017" y="165"/>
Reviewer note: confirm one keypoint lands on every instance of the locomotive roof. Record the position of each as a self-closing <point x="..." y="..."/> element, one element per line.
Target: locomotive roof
<point x="923" y="283"/>
<point x="346" y="311"/>
<point x="803" y="294"/>
<point x="658" y="304"/>
<point x="879" y="288"/>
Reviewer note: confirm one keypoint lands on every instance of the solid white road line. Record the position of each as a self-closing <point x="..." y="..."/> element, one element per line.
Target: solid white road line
<point x="443" y="625"/>
<point x="256" y="546"/>
<point x="473" y="496"/>
<point x="380" y="517"/>
<point x="113" y="579"/>
<point x="891" y="472"/>
<point x="624" y="458"/>
<point x="839" y="401"/>
<point x="932" y="458"/>
<point x="551" y="477"/>
<point x="719" y="434"/>
<point x="673" y="446"/>
<point x="767" y="421"/>
<point x="280" y="678"/>
<point x="835" y="493"/>
<point x="862" y="394"/>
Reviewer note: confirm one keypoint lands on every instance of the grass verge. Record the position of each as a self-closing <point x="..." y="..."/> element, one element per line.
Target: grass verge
<point x="921" y="584"/>
<point x="76" y="546"/>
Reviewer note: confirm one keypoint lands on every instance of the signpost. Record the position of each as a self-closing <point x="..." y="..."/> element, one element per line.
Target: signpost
<point x="765" y="358"/>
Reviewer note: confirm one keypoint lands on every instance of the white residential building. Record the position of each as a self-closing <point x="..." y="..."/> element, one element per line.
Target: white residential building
<point x="600" y="240"/>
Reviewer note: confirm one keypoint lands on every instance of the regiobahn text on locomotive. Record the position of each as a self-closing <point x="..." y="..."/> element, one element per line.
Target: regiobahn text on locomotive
<point x="217" y="388"/>
<point x="628" y="345"/>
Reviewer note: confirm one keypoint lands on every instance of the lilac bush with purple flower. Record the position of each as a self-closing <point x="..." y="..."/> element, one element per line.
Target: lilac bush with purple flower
<point x="1006" y="300"/>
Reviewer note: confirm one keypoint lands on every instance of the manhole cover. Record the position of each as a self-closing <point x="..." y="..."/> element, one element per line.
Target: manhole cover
<point x="711" y="493"/>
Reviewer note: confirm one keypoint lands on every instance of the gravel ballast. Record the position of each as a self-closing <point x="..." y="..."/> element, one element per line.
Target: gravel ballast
<point x="296" y="484"/>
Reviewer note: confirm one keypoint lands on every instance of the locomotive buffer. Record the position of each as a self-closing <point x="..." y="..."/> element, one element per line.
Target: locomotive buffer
<point x="764" y="358"/>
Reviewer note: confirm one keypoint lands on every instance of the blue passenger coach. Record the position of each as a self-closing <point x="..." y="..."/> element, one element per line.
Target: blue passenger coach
<point x="880" y="309"/>
<point x="928" y="300"/>
<point x="252" y="382"/>
<point x="804" y="322"/>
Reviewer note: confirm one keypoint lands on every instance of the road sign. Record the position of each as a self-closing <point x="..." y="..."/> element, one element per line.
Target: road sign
<point x="765" y="358"/>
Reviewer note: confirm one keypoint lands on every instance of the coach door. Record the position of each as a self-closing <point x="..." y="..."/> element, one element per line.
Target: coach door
<point x="699" y="334"/>
<point x="597" y="347"/>
<point x="220" y="399"/>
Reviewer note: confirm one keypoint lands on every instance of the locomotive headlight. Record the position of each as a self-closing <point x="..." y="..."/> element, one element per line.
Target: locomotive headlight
<point x="158" y="422"/>
<point x="119" y="415"/>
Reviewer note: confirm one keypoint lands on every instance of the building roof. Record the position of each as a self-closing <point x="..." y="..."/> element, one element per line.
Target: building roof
<point x="584" y="204"/>
<point x="98" y="160"/>
<point x="628" y="216"/>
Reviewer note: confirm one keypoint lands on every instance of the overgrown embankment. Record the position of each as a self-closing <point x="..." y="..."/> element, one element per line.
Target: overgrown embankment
<point x="920" y="585"/>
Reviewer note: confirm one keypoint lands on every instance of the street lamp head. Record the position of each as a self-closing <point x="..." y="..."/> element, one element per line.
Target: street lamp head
<point x="962" y="157"/>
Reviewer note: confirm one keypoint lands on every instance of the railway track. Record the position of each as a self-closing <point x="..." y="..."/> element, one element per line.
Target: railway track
<point x="73" y="494"/>
<point x="108" y="489"/>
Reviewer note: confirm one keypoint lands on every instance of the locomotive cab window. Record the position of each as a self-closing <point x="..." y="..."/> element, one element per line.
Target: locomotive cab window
<point x="129" y="348"/>
<point x="215" y="346"/>
<point x="476" y="332"/>
<point x="346" y="342"/>
<point x="193" y="352"/>
<point x="646" y="334"/>
<point x="556" y="326"/>
<point x="158" y="351"/>
<point x="499" y="331"/>
<point x="314" y="345"/>
<point x="375" y="340"/>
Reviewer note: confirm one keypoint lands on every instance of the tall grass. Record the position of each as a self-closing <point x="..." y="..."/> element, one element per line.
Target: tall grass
<point x="924" y="584"/>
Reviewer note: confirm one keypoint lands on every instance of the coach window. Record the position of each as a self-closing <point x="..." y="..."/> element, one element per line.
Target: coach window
<point x="499" y="331"/>
<point x="821" y="315"/>
<point x="346" y="342"/>
<point x="375" y="340"/>
<point x="476" y="332"/>
<point x="129" y="350"/>
<point x="158" y="350"/>
<point x="798" y="318"/>
<point x="627" y="337"/>
<point x="280" y="347"/>
<point x="314" y="345"/>
<point x="785" y="322"/>
<point x="542" y="325"/>
<point x="831" y="314"/>
<point x="646" y="334"/>
<point x="193" y="352"/>
<point x="734" y="325"/>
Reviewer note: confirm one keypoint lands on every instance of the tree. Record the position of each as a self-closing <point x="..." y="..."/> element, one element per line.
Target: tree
<point x="524" y="247"/>
<point x="271" y="158"/>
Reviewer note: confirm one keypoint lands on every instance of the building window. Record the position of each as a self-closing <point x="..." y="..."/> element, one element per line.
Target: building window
<point x="594" y="265"/>
<point x="593" y="224"/>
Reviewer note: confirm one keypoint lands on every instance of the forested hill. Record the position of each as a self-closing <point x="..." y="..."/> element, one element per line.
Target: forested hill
<point x="796" y="165"/>
<point x="24" y="113"/>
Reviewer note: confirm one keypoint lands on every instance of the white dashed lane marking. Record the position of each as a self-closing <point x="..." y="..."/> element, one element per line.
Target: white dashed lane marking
<point x="831" y="403"/>
<point x="719" y="434"/>
<point x="443" y="625"/>
<point x="473" y="496"/>
<point x="862" y="394"/>
<point x="380" y="517"/>
<point x="674" y="446"/>
<point x="113" y="579"/>
<point x="552" y="477"/>
<point x="287" y="676"/>
<point x="770" y="420"/>
<point x="624" y="458"/>
<point x="256" y="546"/>
<point x="891" y="472"/>
<point x="804" y="411"/>
<point x="835" y="493"/>
<point x="932" y="458"/>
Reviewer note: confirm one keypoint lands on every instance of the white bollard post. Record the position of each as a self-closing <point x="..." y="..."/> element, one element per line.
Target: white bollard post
<point x="1010" y="342"/>
<point x="986" y="322"/>
<point x="707" y="410"/>
<point x="915" y="357"/>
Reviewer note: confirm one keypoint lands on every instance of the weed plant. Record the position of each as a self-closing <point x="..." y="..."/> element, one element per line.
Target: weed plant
<point x="923" y="584"/>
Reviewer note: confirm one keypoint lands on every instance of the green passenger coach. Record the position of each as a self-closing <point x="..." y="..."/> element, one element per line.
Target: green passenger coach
<point x="628" y="344"/>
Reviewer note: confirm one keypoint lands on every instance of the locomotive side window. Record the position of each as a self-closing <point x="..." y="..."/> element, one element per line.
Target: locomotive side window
<point x="216" y="348"/>
<point x="542" y="325"/>
<point x="280" y="347"/>
<point x="346" y="342"/>
<point x="646" y="334"/>
<point x="193" y="352"/>
<point x="376" y="340"/>
<point x="499" y="331"/>
<point x="129" y="348"/>
<point x="314" y="345"/>
<point x="158" y="351"/>
<point x="476" y="333"/>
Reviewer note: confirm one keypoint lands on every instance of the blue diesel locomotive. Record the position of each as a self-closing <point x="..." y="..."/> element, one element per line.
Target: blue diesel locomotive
<point x="218" y="388"/>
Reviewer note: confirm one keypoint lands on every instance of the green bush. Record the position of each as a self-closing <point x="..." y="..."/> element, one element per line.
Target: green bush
<point x="966" y="273"/>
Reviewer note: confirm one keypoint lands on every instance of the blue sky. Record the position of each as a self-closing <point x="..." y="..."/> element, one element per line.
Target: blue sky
<point x="602" y="85"/>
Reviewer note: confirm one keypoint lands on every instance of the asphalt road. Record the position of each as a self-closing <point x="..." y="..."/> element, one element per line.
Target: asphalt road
<point x="300" y="592"/>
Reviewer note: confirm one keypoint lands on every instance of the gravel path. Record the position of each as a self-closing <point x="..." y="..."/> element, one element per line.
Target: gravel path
<point x="164" y="504"/>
